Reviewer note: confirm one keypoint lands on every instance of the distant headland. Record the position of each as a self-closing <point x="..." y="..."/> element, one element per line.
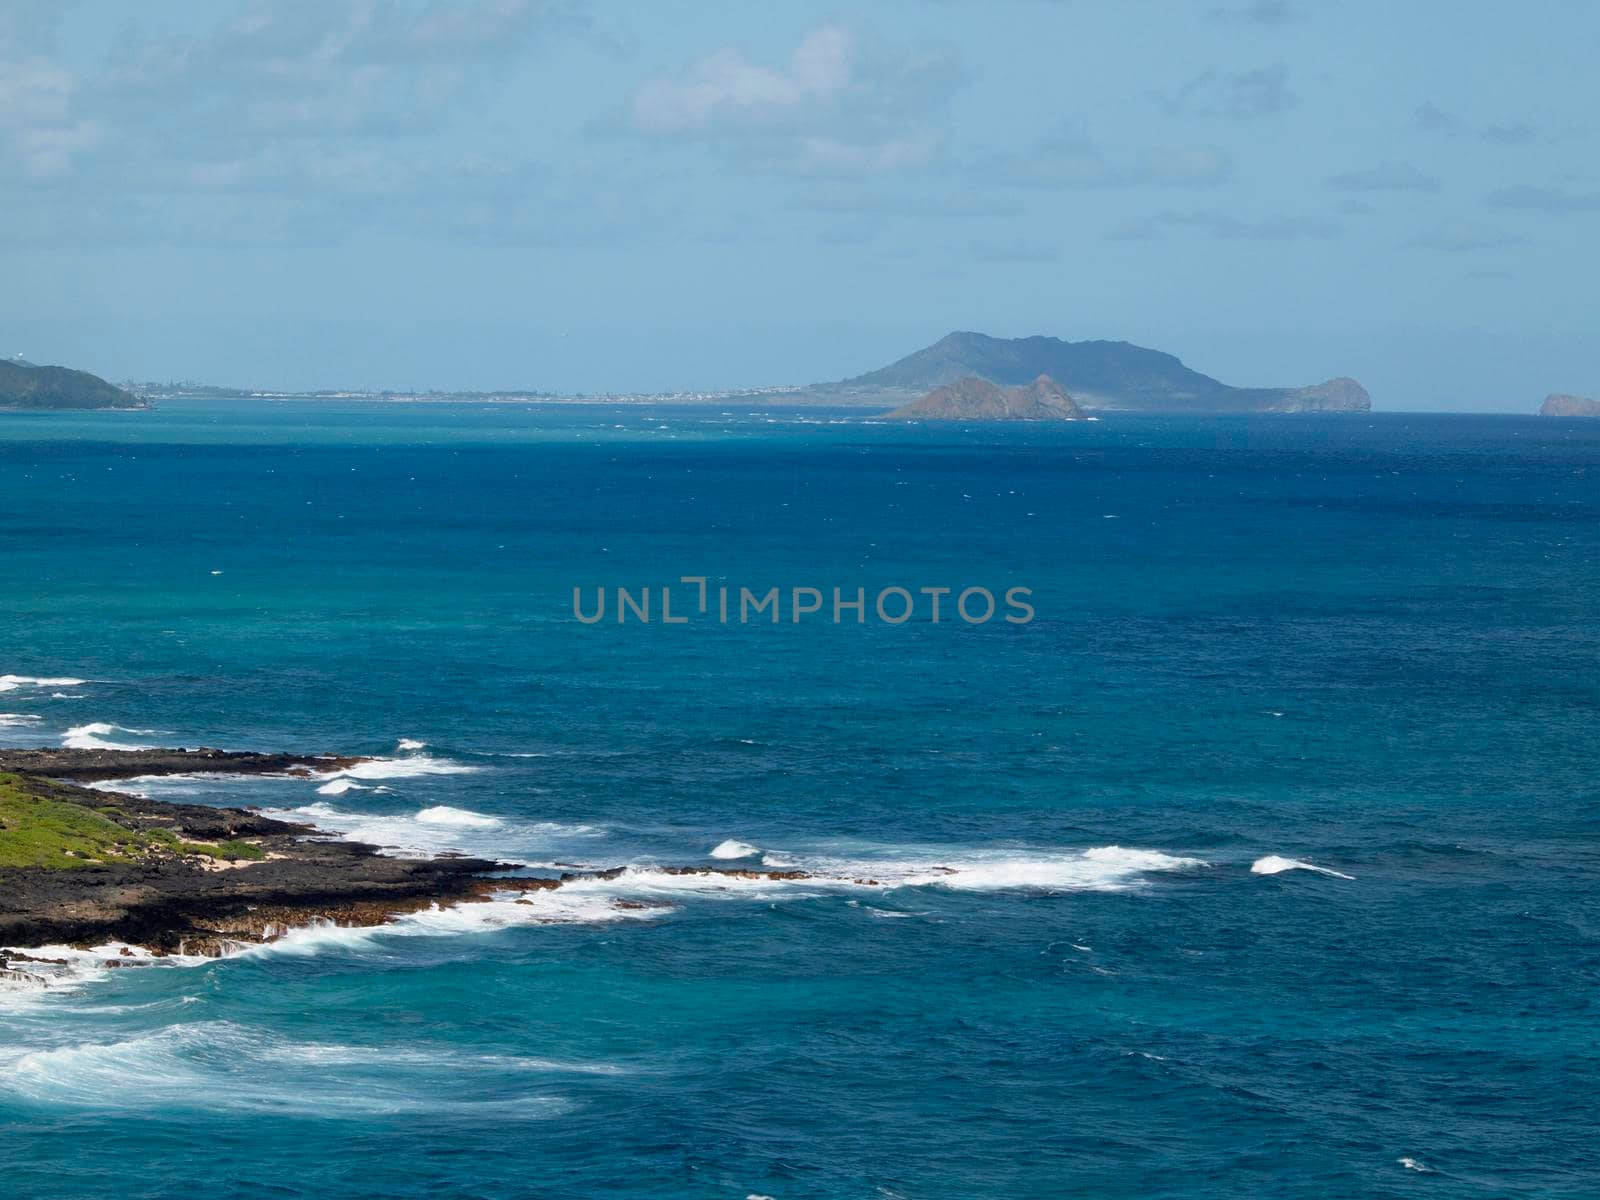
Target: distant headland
<point x="24" y="385"/>
<point x="1558" y="405"/>
<point x="1099" y="375"/>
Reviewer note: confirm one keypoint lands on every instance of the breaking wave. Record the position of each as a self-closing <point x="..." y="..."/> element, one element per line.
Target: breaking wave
<point x="10" y="683"/>
<point x="1099" y="868"/>
<point x="1274" y="864"/>
<point x="97" y="736"/>
<point x="409" y="767"/>
<point x="441" y="829"/>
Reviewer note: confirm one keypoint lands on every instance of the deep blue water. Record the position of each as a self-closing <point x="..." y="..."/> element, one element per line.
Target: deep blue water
<point x="1367" y="644"/>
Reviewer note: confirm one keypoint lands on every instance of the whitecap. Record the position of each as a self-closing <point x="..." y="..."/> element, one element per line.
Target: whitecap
<point x="12" y="720"/>
<point x="410" y="744"/>
<point x="734" y="849"/>
<point x="1275" y="864"/>
<point x="1412" y="1164"/>
<point x="551" y="906"/>
<point x="339" y="787"/>
<point x="442" y="829"/>
<point x="413" y="766"/>
<point x="443" y="814"/>
<point x="10" y="683"/>
<point x="96" y="736"/>
<point x="1099" y="868"/>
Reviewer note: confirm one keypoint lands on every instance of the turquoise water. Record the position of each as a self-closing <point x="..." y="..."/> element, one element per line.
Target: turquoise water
<point x="1361" y="644"/>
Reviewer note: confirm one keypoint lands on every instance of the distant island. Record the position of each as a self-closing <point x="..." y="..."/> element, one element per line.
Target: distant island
<point x="24" y="385"/>
<point x="1108" y="375"/>
<point x="1090" y="376"/>
<point x="975" y="399"/>
<point x="1558" y="405"/>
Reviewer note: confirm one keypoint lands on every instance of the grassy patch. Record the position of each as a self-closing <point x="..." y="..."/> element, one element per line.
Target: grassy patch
<point x="230" y="851"/>
<point x="37" y="830"/>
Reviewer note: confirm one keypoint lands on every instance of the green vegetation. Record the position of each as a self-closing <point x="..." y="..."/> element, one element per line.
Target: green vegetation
<point x="39" y="830"/>
<point x="227" y="851"/>
<point x="23" y="385"/>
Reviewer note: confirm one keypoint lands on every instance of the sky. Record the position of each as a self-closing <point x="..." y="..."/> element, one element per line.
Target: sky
<point x="584" y="195"/>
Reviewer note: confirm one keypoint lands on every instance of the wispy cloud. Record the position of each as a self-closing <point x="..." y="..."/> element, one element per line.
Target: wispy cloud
<point x="1070" y="159"/>
<point x="873" y="198"/>
<point x="1433" y="119"/>
<point x="1016" y="252"/>
<point x="1269" y="13"/>
<point x="1239" y="95"/>
<point x="1228" y="226"/>
<point x="1466" y="238"/>
<point x="1553" y="201"/>
<point x="1385" y="177"/>
<point x="274" y="123"/>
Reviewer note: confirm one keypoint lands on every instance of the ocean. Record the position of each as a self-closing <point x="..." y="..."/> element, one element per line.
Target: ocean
<point x="1261" y="861"/>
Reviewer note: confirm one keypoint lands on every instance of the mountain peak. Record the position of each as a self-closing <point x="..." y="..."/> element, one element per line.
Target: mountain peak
<point x="1100" y="374"/>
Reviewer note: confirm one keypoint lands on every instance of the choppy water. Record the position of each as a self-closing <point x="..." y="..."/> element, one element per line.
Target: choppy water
<point x="1262" y="862"/>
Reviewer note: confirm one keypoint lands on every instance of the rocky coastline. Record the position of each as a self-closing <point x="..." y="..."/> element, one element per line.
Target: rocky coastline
<point x="88" y="867"/>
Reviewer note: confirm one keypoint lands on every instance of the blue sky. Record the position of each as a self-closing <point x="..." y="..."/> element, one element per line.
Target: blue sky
<point x="590" y="195"/>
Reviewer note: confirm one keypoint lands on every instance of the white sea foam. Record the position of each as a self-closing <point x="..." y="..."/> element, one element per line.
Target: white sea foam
<point x="411" y="744"/>
<point x="553" y="906"/>
<point x="441" y="829"/>
<point x="443" y="814"/>
<point x="68" y="968"/>
<point x="223" y="1065"/>
<point x="339" y="787"/>
<point x="13" y="720"/>
<point x="202" y="784"/>
<point x="1412" y="1164"/>
<point x="97" y="736"/>
<point x="1100" y="868"/>
<point x="10" y="683"/>
<point x="734" y="849"/>
<point x="412" y="766"/>
<point x="644" y="891"/>
<point x="1275" y="864"/>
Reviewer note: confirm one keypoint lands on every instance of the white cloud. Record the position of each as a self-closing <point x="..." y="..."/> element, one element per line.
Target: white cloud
<point x="39" y="127"/>
<point x="727" y="87"/>
<point x="840" y="103"/>
<point x="291" y="117"/>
